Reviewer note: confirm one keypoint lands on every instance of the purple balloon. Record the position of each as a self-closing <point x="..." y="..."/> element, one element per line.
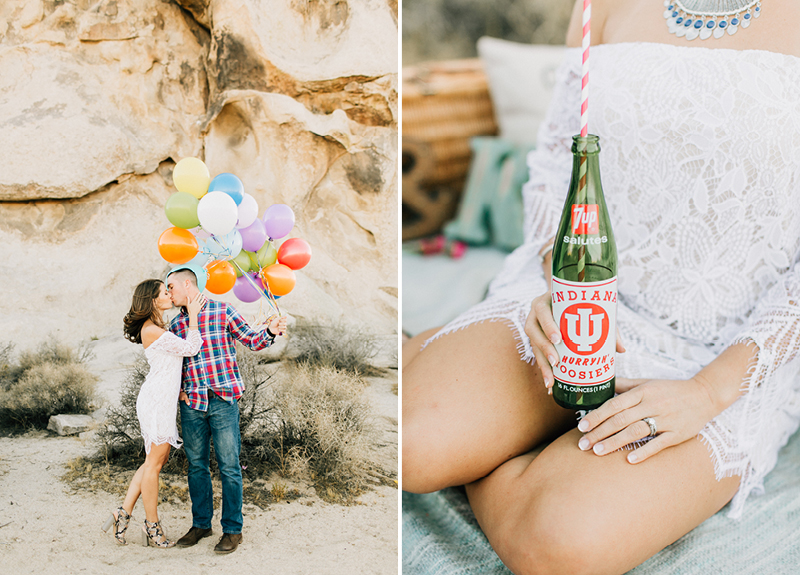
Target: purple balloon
<point x="244" y="290"/>
<point x="254" y="236"/>
<point x="278" y="220"/>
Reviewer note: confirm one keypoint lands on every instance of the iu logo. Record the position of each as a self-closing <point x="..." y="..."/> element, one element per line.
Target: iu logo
<point x="586" y="328"/>
<point x="584" y="219"/>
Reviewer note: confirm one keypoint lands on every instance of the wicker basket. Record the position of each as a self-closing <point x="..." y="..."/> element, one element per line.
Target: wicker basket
<point x="444" y="105"/>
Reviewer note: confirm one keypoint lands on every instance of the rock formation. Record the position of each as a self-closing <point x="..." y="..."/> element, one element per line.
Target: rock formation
<point x="100" y="98"/>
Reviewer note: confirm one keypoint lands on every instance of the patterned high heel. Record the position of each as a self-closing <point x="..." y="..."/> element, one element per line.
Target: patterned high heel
<point x="154" y="535"/>
<point x="120" y="522"/>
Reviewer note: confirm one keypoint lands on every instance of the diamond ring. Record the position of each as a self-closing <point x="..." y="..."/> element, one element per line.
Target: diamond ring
<point x="652" y="424"/>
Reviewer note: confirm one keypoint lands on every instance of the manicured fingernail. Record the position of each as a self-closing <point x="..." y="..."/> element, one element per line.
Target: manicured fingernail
<point x="632" y="458"/>
<point x="599" y="448"/>
<point x="583" y="444"/>
<point x="555" y="338"/>
<point x="552" y="359"/>
<point x="549" y="391"/>
<point x="583" y="425"/>
<point x="546" y="382"/>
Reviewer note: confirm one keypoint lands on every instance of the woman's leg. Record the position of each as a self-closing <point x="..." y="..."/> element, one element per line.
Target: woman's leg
<point x="571" y="511"/>
<point x="470" y="404"/>
<point x="134" y="490"/>
<point x="152" y="467"/>
<point x="412" y="346"/>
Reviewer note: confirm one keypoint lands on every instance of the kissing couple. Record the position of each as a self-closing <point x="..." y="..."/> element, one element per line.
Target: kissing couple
<point x="192" y="364"/>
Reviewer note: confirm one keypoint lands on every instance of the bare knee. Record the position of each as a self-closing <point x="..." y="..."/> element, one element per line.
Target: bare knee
<point x="552" y="536"/>
<point x="424" y="465"/>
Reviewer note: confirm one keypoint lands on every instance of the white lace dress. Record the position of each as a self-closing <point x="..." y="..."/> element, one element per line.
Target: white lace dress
<point x="700" y="163"/>
<point x="157" y="403"/>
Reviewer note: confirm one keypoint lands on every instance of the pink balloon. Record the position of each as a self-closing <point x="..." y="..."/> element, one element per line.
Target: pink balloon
<point x="253" y="236"/>
<point x="244" y="290"/>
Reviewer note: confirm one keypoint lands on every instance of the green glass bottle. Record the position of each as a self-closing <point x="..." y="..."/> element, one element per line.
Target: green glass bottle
<point x="584" y="287"/>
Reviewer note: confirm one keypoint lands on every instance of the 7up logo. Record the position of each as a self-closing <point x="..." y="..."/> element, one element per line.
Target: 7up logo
<point x="584" y="327"/>
<point x="585" y="219"/>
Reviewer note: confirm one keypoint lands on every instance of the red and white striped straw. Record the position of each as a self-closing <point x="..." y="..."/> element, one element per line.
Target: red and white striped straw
<point x="587" y="38"/>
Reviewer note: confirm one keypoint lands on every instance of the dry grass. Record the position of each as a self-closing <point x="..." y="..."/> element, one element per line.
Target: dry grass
<point x="325" y="429"/>
<point x="345" y="348"/>
<point x="51" y="380"/>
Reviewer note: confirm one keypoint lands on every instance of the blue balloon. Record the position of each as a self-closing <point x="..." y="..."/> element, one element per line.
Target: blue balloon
<point x="224" y="247"/>
<point x="229" y="184"/>
<point x="202" y="257"/>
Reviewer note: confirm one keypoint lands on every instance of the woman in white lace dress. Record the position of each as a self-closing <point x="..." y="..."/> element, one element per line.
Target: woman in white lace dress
<point x="700" y="163"/>
<point x="157" y="403"/>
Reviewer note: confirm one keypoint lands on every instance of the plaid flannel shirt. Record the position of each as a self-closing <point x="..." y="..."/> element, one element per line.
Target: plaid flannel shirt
<point x="215" y="367"/>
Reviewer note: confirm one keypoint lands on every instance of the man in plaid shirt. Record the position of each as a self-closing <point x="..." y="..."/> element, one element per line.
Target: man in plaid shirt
<point x="211" y="387"/>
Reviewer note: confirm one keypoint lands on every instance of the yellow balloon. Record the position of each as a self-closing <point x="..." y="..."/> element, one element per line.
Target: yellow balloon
<point x="191" y="176"/>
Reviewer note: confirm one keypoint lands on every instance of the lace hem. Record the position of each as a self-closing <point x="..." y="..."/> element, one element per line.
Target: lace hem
<point x="173" y="440"/>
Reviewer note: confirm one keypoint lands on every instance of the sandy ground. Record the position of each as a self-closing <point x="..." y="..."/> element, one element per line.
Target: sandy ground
<point x="46" y="527"/>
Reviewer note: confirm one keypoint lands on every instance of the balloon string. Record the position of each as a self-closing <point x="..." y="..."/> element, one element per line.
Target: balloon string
<point x="269" y="293"/>
<point x="267" y="296"/>
<point x="226" y="251"/>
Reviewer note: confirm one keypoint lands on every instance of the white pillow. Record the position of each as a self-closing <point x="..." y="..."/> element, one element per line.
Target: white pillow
<point x="521" y="79"/>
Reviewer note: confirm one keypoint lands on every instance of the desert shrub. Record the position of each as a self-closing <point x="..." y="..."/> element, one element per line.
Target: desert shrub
<point x="324" y="425"/>
<point x="7" y="366"/>
<point x="42" y="383"/>
<point x="119" y="438"/>
<point x="344" y="348"/>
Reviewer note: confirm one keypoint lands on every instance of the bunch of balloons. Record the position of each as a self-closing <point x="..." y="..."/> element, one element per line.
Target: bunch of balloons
<point x="216" y="227"/>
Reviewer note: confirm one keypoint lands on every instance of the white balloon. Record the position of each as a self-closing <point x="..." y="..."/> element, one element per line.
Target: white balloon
<point x="217" y="213"/>
<point x="248" y="212"/>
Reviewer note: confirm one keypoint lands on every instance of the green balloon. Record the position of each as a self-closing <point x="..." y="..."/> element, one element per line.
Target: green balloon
<point x="253" y="261"/>
<point x="267" y="255"/>
<point x="242" y="261"/>
<point x="181" y="210"/>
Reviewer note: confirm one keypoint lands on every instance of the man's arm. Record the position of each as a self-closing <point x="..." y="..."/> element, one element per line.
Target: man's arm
<point x="255" y="340"/>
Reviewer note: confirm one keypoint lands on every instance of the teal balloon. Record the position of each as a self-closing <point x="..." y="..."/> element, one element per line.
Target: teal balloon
<point x="181" y="210"/>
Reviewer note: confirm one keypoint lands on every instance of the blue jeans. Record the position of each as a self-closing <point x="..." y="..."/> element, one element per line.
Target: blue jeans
<point x="220" y="422"/>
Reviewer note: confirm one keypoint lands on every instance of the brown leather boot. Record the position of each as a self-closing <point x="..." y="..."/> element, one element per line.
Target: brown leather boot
<point x="228" y="543"/>
<point x="194" y="535"/>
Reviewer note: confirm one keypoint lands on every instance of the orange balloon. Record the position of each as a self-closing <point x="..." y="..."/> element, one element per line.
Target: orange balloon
<point x="280" y="279"/>
<point x="221" y="277"/>
<point x="177" y="245"/>
<point x="294" y="253"/>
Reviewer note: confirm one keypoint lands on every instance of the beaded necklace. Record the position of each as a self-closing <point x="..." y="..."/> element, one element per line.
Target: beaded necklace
<point x="706" y="18"/>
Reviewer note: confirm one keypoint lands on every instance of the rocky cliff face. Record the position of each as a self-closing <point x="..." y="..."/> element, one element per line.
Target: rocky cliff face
<point x="100" y="98"/>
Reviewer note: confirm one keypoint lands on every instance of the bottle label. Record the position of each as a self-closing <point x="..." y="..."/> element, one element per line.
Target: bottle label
<point x="586" y="313"/>
<point x="585" y="219"/>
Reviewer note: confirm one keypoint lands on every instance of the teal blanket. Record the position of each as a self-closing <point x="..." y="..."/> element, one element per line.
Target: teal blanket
<point x="441" y="536"/>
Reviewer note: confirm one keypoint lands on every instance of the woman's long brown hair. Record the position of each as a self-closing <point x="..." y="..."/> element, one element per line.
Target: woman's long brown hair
<point x="143" y="308"/>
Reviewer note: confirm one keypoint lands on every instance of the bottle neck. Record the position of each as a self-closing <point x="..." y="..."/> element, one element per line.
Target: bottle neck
<point x="586" y="177"/>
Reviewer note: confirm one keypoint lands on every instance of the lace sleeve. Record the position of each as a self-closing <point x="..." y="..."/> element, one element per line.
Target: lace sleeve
<point x="770" y="405"/>
<point x="175" y="345"/>
<point x="550" y="164"/>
